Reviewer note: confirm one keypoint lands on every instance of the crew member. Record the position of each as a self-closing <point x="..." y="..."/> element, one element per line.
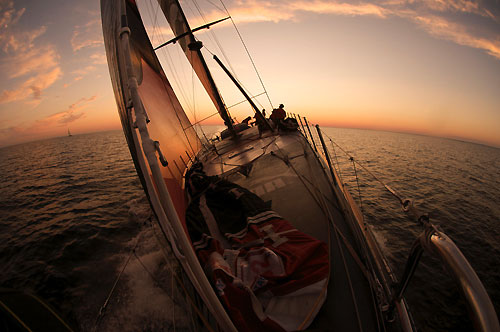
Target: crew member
<point x="278" y="115"/>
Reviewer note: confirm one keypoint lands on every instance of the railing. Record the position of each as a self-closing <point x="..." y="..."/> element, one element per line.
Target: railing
<point x="434" y="242"/>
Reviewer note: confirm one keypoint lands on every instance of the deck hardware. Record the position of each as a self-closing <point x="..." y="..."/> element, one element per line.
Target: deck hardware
<point x="163" y="161"/>
<point x="183" y="162"/>
<point x="310" y="134"/>
<point x="336" y="159"/>
<point x="245" y="169"/>
<point x="441" y="246"/>
<point x="248" y="148"/>
<point x="134" y="123"/>
<point x="327" y="155"/>
<point x="357" y="181"/>
<point x="407" y="205"/>
<point x="178" y="168"/>
<point x="190" y="159"/>
<point x="303" y="129"/>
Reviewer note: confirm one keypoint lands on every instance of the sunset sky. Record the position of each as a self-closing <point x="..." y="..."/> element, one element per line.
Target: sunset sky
<point x="429" y="67"/>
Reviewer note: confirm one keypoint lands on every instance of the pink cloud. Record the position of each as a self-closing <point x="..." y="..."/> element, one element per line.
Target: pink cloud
<point x="82" y="72"/>
<point x="87" y="36"/>
<point x="439" y="18"/>
<point x="74" y="112"/>
<point x="46" y="124"/>
<point x="32" y="87"/>
<point x="99" y="58"/>
<point x="34" y="67"/>
<point x="9" y="15"/>
<point x="445" y="29"/>
<point x="32" y="60"/>
<point x="338" y="8"/>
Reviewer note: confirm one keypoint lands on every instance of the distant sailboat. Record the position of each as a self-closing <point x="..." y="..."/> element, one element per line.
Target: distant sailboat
<point x="69" y="133"/>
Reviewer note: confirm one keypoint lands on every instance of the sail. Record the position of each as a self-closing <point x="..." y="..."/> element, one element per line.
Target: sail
<point x="178" y="22"/>
<point x="168" y="124"/>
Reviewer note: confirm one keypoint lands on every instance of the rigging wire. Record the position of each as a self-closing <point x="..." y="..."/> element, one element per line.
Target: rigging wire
<point x="167" y="86"/>
<point x="248" y="53"/>
<point x="244" y="101"/>
<point x="223" y="53"/>
<point x="159" y="35"/>
<point x="359" y="190"/>
<point x="212" y="34"/>
<point x="336" y="159"/>
<point x="320" y="200"/>
<point x="391" y="190"/>
<point x="242" y="85"/>
<point x="372" y="279"/>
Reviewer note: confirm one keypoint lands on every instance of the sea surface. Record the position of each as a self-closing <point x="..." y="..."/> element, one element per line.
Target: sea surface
<point x="74" y="220"/>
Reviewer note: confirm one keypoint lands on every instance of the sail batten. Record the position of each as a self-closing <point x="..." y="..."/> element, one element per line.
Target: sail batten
<point x="192" y="49"/>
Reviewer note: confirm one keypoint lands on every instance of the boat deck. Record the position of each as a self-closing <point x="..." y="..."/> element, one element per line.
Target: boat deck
<point x="283" y="169"/>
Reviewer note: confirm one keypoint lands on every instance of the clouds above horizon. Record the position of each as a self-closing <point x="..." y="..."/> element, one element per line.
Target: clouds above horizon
<point x="87" y="35"/>
<point x="31" y="69"/>
<point x="450" y="20"/>
<point x="72" y="113"/>
<point x="88" y="38"/>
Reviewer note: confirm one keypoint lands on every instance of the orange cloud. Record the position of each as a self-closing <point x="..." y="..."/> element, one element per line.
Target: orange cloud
<point x="463" y="6"/>
<point x="37" y="66"/>
<point x="33" y="87"/>
<point x="74" y="112"/>
<point x="336" y="8"/>
<point x="87" y="36"/>
<point x="444" y="29"/>
<point x="276" y="11"/>
<point x="440" y="18"/>
<point x="32" y="60"/>
<point x="80" y="73"/>
<point x="9" y="15"/>
<point x="99" y="58"/>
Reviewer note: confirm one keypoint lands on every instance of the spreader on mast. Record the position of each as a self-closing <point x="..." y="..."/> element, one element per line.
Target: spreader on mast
<point x="192" y="48"/>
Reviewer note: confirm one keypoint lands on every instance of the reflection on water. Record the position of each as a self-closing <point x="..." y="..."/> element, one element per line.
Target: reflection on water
<point x="72" y="210"/>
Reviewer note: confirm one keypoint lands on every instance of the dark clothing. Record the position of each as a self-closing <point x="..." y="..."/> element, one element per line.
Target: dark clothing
<point x="278" y="114"/>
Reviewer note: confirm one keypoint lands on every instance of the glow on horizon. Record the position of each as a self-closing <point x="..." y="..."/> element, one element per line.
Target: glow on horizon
<point x="431" y="67"/>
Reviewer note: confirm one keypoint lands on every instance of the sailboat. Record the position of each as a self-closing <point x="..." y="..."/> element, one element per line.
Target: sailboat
<point x="267" y="235"/>
<point x="69" y="133"/>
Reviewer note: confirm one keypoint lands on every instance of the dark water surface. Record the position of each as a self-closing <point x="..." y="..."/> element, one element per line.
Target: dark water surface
<point x="457" y="184"/>
<point x="72" y="210"/>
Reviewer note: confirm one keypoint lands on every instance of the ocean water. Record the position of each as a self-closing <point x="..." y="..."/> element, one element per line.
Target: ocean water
<point x="73" y="214"/>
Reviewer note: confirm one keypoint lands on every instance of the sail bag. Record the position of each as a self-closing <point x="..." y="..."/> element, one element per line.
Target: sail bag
<point x="268" y="275"/>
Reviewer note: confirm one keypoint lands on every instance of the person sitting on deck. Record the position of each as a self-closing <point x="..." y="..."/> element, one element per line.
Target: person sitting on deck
<point x="278" y="115"/>
<point x="261" y="125"/>
<point x="247" y="120"/>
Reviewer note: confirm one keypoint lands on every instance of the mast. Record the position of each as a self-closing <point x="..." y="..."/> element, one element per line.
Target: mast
<point x="192" y="48"/>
